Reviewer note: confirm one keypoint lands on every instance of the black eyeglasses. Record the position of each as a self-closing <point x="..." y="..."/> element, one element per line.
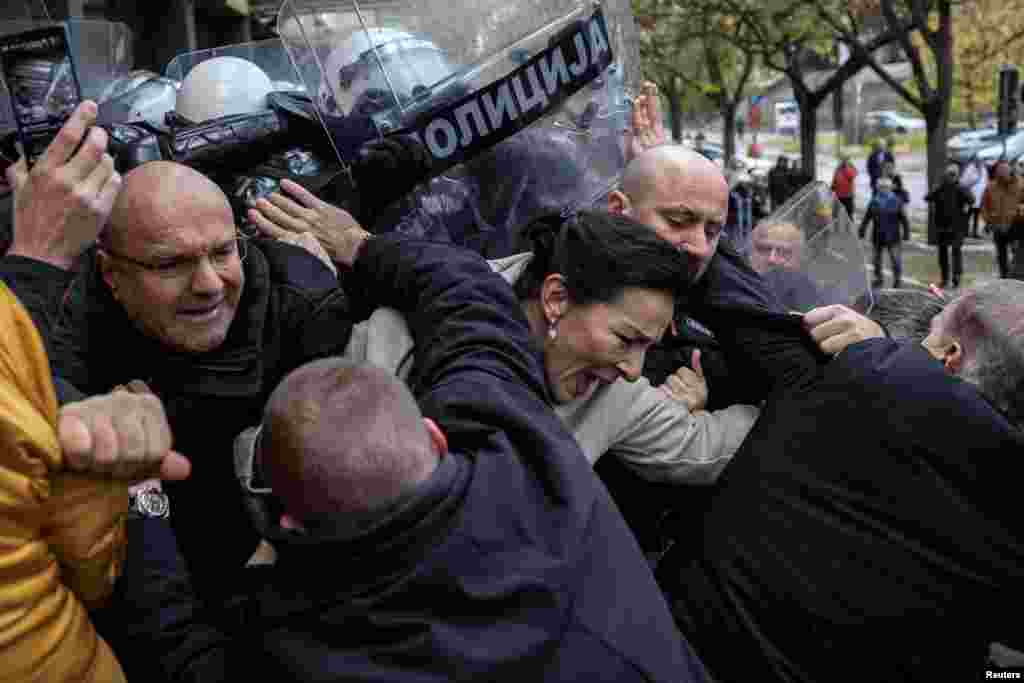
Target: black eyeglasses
<point x="183" y="268"/>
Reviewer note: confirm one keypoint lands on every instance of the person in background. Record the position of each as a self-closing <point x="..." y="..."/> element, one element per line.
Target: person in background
<point x="890" y="228"/>
<point x="879" y="157"/>
<point x="740" y="220"/>
<point x="798" y="179"/>
<point x="952" y="207"/>
<point x="779" y="182"/>
<point x="1017" y="169"/>
<point x="776" y="245"/>
<point x="844" y="186"/>
<point x="889" y="171"/>
<point x="1000" y="207"/>
<point x="974" y="179"/>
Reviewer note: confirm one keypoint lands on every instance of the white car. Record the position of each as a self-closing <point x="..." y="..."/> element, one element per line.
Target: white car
<point x="892" y="122"/>
<point x="987" y="144"/>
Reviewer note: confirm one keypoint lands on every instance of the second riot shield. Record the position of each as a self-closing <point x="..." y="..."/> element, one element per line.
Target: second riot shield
<point x="809" y="252"/>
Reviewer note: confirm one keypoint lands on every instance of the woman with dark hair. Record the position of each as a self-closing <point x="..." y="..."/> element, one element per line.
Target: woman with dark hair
<point x="598" y="290"/>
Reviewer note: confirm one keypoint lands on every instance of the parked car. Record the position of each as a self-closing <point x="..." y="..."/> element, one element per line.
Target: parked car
<point x="886" y="122"/>
<point x="987" y="144"/>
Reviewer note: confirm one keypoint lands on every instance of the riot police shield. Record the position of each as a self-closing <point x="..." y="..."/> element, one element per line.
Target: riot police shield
<point x="527" y="102"/>
<point x="809" y="252"/>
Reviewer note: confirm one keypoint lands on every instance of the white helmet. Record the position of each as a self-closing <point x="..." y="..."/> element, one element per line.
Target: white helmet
<point x="354" y="80"/>
<point x="223" y="86"/>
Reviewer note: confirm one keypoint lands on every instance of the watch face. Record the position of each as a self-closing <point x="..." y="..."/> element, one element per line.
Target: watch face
<point x="153" y="503"/>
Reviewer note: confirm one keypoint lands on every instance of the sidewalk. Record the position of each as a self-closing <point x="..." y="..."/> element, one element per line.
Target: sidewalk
<point x="972" y="245"/>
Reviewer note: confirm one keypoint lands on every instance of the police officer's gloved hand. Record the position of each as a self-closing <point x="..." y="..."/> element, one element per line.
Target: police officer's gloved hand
<point x="387" y="170"/>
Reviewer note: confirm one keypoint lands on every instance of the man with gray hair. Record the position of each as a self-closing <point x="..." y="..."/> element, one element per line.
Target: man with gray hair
<point x="979" y="338"/>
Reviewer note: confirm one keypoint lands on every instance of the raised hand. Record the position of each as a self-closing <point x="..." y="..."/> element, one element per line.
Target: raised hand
<point x="647" y="129"/>
<point x="62" y="204"/>
<point x="282" y="217"/>
<point x="836" y="327"/>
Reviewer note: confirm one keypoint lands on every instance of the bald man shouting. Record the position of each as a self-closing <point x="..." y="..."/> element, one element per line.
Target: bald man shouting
<point x="172" y="295"/>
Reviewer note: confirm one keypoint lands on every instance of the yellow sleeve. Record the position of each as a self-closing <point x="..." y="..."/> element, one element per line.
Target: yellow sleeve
<point x="45" y="632"/>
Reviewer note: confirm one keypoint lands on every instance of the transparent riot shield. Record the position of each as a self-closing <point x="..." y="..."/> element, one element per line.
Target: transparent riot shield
<point x="101" y="50"/>
<point x="522" y="108"/>
<point x="462" y="77"/>
<point x="809" y="252"/>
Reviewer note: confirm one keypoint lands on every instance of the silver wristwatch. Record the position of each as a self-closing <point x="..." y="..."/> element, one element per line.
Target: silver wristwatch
<point x="151" y="502"/>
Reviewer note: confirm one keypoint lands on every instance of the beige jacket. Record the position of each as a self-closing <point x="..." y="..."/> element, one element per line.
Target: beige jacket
<point x="1001" y="202"/>
<point x="655" y="435"/>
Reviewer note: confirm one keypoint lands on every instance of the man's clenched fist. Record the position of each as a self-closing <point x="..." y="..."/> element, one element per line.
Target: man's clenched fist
<point x="123" y="434"/>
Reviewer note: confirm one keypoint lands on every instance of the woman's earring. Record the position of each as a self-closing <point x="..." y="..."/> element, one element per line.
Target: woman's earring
<point x="553" y="330"/>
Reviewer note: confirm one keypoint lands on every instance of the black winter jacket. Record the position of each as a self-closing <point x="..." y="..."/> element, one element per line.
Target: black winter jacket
<point x="867" y="529"/>
<point x="952" y="205"/>
<point x="511" y="563"/>
<point x="291" y="311"/>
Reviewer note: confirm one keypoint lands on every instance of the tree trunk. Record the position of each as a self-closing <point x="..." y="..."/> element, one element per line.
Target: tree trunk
<point x="675" y="109"/>
<point x="936" y="110"/>
<point x="809" y="143"/>
<point x="728" y="109"/>
<point x="935" y="120"/>
<point x="808" y="129"/>
<point x="837" y="110"/>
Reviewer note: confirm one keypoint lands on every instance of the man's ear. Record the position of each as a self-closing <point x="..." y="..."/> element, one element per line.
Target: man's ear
<point x="437" y="436"/>
<point x="619" y="203"/>
<point x="554" y="298"/>
<point x="953" y="358"/>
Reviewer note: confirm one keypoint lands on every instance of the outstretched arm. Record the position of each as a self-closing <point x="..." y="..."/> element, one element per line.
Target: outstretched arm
<point x="465" y="319"/>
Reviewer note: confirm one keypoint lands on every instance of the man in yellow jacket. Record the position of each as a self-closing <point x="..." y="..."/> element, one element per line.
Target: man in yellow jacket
<point x="62" y="534"/>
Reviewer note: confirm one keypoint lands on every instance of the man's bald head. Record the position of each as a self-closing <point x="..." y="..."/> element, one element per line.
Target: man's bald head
<point x="160" y="195"/>
<point x="651" y="168"/>
<point x="681" y="195"/>
<point x="343" y="441"/>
